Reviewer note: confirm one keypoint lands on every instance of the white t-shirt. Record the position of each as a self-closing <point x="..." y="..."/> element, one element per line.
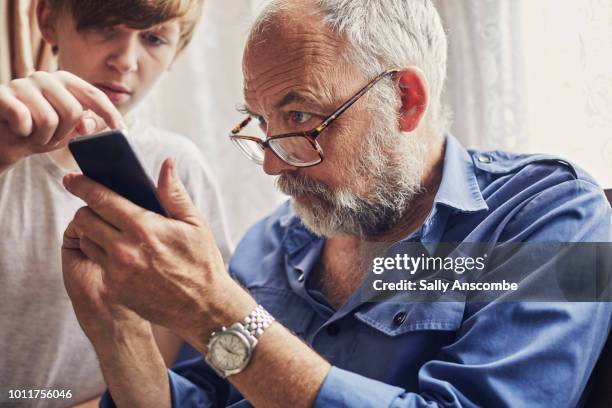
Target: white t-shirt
<point x="41" y="343"/>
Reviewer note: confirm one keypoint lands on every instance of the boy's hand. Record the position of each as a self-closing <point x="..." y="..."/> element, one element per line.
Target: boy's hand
<point x="44" y="111"/>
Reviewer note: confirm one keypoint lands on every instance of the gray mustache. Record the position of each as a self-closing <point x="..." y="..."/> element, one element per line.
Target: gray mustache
<point x="295" y="184"/>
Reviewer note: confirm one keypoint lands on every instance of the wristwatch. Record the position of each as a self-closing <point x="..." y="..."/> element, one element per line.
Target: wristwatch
<point x="230" y="349"/>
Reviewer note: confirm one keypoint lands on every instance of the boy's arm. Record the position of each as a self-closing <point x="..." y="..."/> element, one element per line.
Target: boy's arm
<point x="42" y="112"/>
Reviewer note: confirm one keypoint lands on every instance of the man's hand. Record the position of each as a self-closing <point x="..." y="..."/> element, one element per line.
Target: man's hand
<point x="168" y="270"/>
<point x="85" y="284"/>
<point x="44" y="111"/>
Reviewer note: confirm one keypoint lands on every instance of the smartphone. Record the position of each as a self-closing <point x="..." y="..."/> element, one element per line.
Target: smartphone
<point x="108" y="159"/>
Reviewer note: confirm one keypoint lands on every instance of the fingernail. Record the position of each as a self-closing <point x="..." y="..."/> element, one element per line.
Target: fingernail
<point x="90" y="125"/>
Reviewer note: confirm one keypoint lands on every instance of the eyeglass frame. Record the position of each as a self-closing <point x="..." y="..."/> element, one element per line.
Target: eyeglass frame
<point x="310" y="135"/>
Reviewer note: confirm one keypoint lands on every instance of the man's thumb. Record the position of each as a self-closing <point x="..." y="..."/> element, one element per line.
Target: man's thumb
<point x="173" y="195"/>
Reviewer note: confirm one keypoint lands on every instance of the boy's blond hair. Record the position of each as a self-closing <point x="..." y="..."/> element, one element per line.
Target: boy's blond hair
<point x="138" y="14"/>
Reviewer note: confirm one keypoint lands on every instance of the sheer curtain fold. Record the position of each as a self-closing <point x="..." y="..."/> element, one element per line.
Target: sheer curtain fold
<point x="486" y="75"/>
<point x="22" y="49"/>
<point x="533" y="76"/>
<point x="569" y="49"/>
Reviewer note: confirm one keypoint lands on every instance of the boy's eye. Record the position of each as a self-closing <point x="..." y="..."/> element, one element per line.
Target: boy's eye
<point x="153" y="39"/>
<point x="299" y="117"/>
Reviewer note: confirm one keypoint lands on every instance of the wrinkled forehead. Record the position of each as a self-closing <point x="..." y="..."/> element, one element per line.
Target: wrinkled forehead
<point x="293" y="53"/>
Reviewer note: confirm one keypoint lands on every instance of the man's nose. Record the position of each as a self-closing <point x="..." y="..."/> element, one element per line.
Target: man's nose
<point x="125" y="55"/>
<point x="274" y="166"/>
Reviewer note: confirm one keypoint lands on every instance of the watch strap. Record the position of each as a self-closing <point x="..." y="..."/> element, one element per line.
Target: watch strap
<point x="257" y="321"/>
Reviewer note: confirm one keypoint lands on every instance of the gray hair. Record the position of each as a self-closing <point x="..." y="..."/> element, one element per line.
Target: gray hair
<point x="384" y="34"/>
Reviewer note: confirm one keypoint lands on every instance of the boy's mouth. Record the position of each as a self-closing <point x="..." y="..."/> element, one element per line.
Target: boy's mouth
<point x="116" y="93"/>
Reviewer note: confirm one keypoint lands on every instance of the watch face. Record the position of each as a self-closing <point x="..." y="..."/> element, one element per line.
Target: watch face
<point x="229" y="351"/>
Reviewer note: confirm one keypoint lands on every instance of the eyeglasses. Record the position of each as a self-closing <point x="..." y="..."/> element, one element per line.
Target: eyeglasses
<point x="298" y="149"/>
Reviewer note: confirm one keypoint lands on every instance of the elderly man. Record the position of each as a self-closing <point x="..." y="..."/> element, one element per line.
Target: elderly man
<point x="347" y="94"/>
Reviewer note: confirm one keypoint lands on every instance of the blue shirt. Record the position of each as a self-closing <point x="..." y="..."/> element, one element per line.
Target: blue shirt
<point x="390" y="354"/>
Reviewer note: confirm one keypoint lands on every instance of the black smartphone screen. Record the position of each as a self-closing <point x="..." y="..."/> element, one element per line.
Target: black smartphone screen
<point x="108" y="159"/>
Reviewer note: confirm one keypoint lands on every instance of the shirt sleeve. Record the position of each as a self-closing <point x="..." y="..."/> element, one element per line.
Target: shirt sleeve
<point x="536" y="354"/>
<point x="192" y="384"/>
<point x="343" y="388"/>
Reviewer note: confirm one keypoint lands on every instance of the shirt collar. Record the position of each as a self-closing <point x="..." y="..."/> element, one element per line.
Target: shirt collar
<point x="458" y="192"/>
<point x="459" y="188"/>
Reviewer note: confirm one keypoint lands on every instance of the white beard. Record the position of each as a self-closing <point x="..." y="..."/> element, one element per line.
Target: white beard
<point x="392" y="167"/>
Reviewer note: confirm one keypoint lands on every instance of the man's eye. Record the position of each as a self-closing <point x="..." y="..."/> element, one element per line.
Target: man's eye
<point x="261" y="122"/>
<point x="153" y="39"/>
<point x="299" y="117"/>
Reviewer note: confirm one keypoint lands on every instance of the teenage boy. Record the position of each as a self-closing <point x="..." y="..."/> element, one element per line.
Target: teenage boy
<point x="110" y="55"/>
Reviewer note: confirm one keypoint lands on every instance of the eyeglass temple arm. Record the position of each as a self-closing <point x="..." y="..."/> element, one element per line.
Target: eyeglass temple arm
<point x="241" y="125"/>
<point x="351" y="101"/>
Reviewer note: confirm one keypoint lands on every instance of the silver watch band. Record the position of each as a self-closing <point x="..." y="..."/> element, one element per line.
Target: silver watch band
<point x="257" y="321"/>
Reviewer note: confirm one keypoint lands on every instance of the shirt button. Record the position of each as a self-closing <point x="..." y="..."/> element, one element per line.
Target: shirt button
<point x="332" y="329"/>
<point x="399" y="318"/>
<point x="483" y="158"/>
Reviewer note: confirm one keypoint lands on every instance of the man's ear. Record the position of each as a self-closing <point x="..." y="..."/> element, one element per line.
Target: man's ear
<point x="414" y="93"/>
<point x="46" y="22"/>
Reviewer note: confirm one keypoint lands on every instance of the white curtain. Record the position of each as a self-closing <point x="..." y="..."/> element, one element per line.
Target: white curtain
<point x="486" y="72"/>
<point x="568" y="45"/>
<point x="523" y="75"/>
<point x="533" y="76"/>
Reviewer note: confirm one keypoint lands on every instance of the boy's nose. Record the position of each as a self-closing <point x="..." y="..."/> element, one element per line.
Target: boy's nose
<point x="125" y="57"/>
